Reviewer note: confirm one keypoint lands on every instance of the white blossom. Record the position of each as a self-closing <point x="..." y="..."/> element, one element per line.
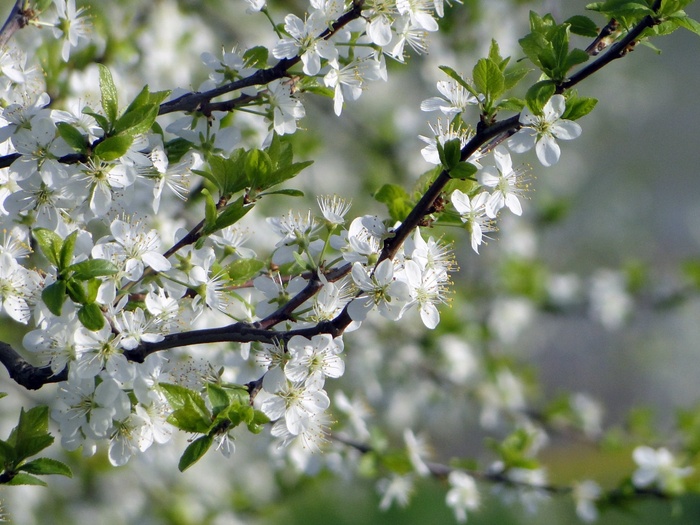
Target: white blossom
<point x="463" y="494"/>
<point x="542" y="131"/>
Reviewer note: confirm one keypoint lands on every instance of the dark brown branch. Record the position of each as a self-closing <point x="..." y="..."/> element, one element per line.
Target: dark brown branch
<point x="17" y="20"/>
<point x="201" y="101"/>
<point x="618" y="50"/>
<point x="25" y="374"/>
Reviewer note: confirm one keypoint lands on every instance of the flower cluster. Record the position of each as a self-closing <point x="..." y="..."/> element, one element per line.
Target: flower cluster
<point x="498" y="186"/>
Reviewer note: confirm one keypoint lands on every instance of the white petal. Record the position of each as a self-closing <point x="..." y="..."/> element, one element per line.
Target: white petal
<point x="555" y="108"/>
<point x="522" y="141"/>
<point x="429" y="315"/>
<point x="566" y="129"/>
<point x="513" y="204"/>
<point x="156" y="261"/>
<point x="547" y="151"/>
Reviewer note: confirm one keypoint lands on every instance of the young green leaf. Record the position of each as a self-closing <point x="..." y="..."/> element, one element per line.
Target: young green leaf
<point x="457" y="78"/>
<point x="243" y="270"/>
<point x="538" y="95"/>
<point x="194" y="452"/>
<point x="256" y="57"/>
<point x="137" y="121"/>
<point x="577" y="107"/>
<point x="218" y="398"/>
<point x="110" y="104"/>
<point x="114" y="147"/>
<point x="91" y="317"/>
<point x="396" y="199"/>
<point x="489" y="80"/>
<point x="450" y="153"/>
<point x="31" y="436"/>
<point x="72" y="136"/>
<point x="90" y="268"/>
<point x="67" y="249"/>
<point x="583" y="26"/>
<point x="46" y="466"/>
<point x="26" y="479"/>
<point x="463" y="170"/>
<point x="50" y="244"/>
<point x="233" y="213"/>
<point x="53" y="296"/>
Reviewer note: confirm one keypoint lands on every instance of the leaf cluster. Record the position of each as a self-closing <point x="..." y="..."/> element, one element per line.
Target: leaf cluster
<point x="228" y="406"/>
<point x="27" y="439"/>
<point x="250" y="173"/>
<point x="120" y="130"/>
<point x="77" y="281"/>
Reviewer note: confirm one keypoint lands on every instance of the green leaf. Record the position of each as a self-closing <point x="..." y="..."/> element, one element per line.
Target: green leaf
<point x="7" y="454"/>
<point x="257" y="168"/>
<point x="463" y="170"/>
<point x="489" y="80"/>
<point x="31" y="436"/>
<point x="210" y="212"/>
<point x="560" y="47"/>
<point x="114" y="147"/>
<point x="76" y="291"/>
<point x="286" y="191"/>
<point x="538" y="95"/>
<point x="535" y="45"/>
<point x="91" y="317"/>
<point x="690" y="24"/>
<point x="177" y="395"/>
<point x="233" y="213"/>
<point x="72" y="136"/>
<point x="101" y="120"/>
<point x="85" y="270"/>
<point x="67" y="249"/>
<point x="137" y="121"/>
<point x="583" y="26"/>
<point x="194" y="452"/>
<point x="110" y="104"/>
<point x="47" y="466"/>
<point x="258" y="422"/>
<point x="26" y="479"/>
<point x="287" y="172"/>
<point x="146" y="98"/>
<point x="495" y="55"/>
<point x="218" y="398"/>
<point x="577" y="107"/>
<point x="53" y="296"/>
<point x="576" y="57"/>
<point x="93" y="287"/>
<point x="450" y="153"/>
<point x="256" y="57"/>
<point x="50" y="244"/>
<point x="513" y="76"/>
<point x="227" y="174"/>
<point x="632" y="10"/>
<point x="191" y="419"/>
<point x="457" y="78"/>
<point x="511" y="104"/>
<point x="243" y="270"/>
<point x="397" y="201"/>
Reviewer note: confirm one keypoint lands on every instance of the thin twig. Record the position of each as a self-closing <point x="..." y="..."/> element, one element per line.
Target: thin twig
<point x="16" y="21"/>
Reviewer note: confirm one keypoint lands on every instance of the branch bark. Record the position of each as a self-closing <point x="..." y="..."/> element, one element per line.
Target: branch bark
<point x="17" y="20"/>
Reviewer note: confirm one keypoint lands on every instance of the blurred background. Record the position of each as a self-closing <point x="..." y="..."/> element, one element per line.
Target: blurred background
<point x="591" y="291"/>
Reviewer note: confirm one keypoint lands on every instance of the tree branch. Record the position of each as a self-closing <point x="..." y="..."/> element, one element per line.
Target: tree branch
<point x="201" y="101"/>
<point x="25" y="374"/>
<point x="34" y="377"/>
<point x="17" y="20"/>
